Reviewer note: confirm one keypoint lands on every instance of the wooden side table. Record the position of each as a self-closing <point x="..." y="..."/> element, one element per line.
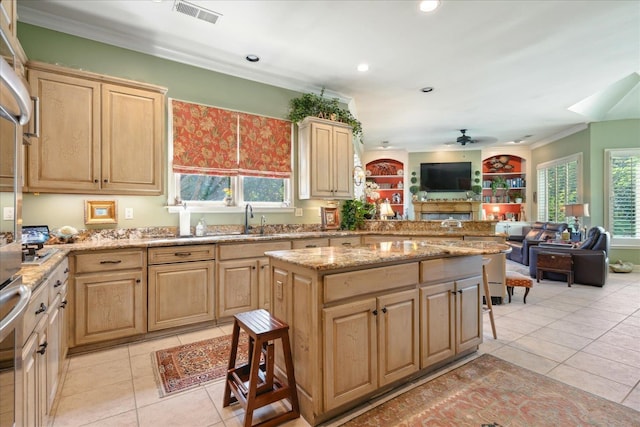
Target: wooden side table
<point x="556" y="262"/>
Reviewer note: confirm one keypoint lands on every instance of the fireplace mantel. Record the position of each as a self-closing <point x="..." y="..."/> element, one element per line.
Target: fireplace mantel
<point x="452" y="208"/>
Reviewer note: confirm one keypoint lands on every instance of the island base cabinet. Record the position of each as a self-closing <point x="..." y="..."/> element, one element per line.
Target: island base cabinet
<point x="468" y="313"/>
<point x="109" y="306"/>
<point x="369" y="344"/>
<point x="180" y="294"/>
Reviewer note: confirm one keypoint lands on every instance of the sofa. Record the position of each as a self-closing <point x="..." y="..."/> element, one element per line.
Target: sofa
<point x="590" y="259"/>
<point x="539" y="232"/>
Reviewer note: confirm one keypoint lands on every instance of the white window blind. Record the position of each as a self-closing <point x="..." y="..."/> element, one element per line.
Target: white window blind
<point x="559" y="184"/>
<point x="623" y="194"/>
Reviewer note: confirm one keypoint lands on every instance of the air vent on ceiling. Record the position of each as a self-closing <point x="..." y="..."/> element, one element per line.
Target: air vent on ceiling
<point x="196" y="11"/>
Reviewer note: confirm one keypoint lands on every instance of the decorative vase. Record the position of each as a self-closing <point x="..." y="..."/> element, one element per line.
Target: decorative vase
<point x="518" y="200"/>
<point x="228" y="201"/>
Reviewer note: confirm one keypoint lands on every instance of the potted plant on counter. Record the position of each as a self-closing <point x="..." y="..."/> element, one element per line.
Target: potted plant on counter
<point x="354" y="212"/>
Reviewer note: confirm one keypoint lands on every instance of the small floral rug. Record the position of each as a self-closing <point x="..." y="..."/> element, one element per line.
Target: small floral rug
<point x="488" y="391"/>
<point x="190" y="365"/>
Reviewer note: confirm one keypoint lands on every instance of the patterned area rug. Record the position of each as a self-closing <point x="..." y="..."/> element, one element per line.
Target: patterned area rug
<point x="488" y="391"/>
<point x="186" y="366"/>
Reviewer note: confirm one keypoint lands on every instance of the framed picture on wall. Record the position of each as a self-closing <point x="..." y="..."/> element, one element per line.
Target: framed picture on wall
<point x="330" y="219"/>
<point x="100" y="212"/>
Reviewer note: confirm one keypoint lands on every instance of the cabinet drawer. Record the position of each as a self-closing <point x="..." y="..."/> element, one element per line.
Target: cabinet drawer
<point x="250" y="250"/>
<point x="345" y="285"/>
<point x="111" y="260"/>
<point x="449" y="268"/>
<point x="173" y="254"/>
<point x="309" y="243"/>
<point x="344" y="241"/>
<point x="36" y="309"/>
<point x="58" y="280"/>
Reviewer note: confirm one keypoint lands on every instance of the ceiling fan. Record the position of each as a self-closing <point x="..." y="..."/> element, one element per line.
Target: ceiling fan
<point x="464" y="139"/>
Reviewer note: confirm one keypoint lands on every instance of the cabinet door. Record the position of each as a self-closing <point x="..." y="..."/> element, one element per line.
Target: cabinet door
<point x="237" y="286"/>
<point x="437" y="340"/>
<point x="53" y="351"/>
<point x="109" y="306"/>
<point x="131" y="140"/>
<point x="34" y="377"/>
<point x="342" y="161"/>
<point x="7" y="155"/>
<point x="468" y="313"/>
<point x="322" y="181"/>
<point x="180" y="294"/>
<point x="350" y="342"/>
<point x="66" y="156"/>
<point x="398" y="327"/>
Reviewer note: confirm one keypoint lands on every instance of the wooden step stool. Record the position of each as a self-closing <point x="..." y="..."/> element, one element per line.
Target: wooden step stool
<point x="254" y="384"/>
<point x="517" y="279"/>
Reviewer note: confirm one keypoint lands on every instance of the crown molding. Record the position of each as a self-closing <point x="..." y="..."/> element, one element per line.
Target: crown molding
<point x="562" y="134"/>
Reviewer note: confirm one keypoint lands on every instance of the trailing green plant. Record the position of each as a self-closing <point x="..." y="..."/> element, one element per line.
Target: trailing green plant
<point x="353" y="214"/>
<point x="414" y="187"/>
<point x="312" y="105"/>
<point x="499" y="182"/>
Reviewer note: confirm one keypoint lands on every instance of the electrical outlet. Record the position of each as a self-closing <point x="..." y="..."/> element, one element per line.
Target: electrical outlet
<point x="298" y="211"/>
<point x="128" y="213"/>
<point x="8" y="213"/>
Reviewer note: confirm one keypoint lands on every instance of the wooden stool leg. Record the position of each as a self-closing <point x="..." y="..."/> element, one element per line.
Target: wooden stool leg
<point x="291" y="378"/>
<point x="226" y="401"/>
<point x="487" y="297"/>
<point x="253" y="383"/>
<point x="526" y="292"/>
<point x="510" y="292"/>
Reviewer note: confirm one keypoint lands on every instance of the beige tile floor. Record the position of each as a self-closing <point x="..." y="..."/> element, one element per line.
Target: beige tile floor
<point x="584" y="336"/>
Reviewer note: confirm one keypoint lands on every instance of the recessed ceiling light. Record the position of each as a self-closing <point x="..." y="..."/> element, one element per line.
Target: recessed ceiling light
<point x="252" y="58"/>
<point x="429" y="5"/>
<point x="427" y="89"/>
<point x="363" y="67"/>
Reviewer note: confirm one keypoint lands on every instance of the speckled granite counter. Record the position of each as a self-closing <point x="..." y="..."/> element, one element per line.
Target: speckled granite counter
<point x="331" y="258"/>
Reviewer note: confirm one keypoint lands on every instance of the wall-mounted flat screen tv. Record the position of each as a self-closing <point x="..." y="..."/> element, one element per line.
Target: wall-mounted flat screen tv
<point x="453" y="176"/>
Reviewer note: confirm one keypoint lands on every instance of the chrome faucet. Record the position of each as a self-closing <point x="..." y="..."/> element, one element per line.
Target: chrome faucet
<point x="248" y="210"/>
<point x="450" y="223"/>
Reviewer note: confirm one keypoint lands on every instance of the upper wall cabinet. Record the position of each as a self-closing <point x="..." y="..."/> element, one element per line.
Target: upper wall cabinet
<point x="325" y="166"/>
<point x="97" y="134"/>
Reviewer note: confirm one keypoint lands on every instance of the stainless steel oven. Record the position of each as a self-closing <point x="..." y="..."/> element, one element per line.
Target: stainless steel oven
<point x="14" y="299"/>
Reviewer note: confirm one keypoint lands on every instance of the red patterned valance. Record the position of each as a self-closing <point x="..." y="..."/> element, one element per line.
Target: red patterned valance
<point x="265" y="146"/>
<point x="214" y="141"/>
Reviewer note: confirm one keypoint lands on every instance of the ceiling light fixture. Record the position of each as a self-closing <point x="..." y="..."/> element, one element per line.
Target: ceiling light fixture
<point x="427" y="89"/>
<point x="429" y="5"/>
<point x="363" y="67"/>
<point x="252" y="58"/>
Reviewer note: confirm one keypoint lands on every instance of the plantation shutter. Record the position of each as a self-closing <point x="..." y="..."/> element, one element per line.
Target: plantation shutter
<point x="205" y="139"/>
<point x="558" y="185"/>
<point x="265" y="147"/>
<point x="624" y="194"/>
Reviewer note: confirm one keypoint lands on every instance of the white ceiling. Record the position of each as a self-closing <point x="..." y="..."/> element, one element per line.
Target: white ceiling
<point x="501" y="69"/>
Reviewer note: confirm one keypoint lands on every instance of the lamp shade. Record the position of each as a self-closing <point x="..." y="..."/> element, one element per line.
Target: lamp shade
<point x="385" y="210"/>
<point x="577" y="209"/>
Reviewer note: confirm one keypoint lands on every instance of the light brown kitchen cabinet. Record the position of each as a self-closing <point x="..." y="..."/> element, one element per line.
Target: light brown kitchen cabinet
<point x="109" y="295"/>
<point x="181" y="285"/>
<point x="98" y="134"/>
<point x="325" y="161"/>
<point x="8" y="155"/>
<point x="372" y="343"/>
<point x="244" y="277"/>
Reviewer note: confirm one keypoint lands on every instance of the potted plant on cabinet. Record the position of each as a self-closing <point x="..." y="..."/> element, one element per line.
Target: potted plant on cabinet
<point x="498" y="182"/>
<point x="517" y="197"/>
<point x="312" y="105"/>
<point x="354" y="212"/>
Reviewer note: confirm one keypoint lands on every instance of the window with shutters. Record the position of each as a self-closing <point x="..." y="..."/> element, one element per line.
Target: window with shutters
<point x="622" y="191"/>
<point x="217" y="153"/>
<point x="559" y="184"/>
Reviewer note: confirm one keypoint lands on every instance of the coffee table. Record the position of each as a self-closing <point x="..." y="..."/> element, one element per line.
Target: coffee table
<point x="556" y="262"/>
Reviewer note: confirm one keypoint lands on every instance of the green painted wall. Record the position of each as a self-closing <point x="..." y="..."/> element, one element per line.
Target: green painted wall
<point x="183" y="82"/>
<point x="592" y="142"/>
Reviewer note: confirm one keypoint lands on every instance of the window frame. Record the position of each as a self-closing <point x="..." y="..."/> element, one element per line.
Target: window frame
<point x="553" y="163"/>
<point x="175" y="205"/>
<point x="617" y="242"/>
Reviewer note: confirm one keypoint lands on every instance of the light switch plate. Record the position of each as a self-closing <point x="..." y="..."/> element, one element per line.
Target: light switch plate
<point x="8" y="213"/>
<point x="128" y="213"/>
<point x="298" y="211"/>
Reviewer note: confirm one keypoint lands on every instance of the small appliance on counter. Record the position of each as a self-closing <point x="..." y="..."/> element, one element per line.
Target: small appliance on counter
<point x="33" y="239"/>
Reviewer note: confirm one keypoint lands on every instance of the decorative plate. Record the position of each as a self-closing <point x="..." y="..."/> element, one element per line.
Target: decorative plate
<point x="368" y="173"/>
<point x="400" y="172"/>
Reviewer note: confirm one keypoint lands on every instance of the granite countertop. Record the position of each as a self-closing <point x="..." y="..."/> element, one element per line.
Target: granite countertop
<point x="32" y="275"/>
<point x="333" y="258"/>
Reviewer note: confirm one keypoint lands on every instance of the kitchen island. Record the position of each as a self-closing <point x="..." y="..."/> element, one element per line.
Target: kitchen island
<point x="366" y="319"/>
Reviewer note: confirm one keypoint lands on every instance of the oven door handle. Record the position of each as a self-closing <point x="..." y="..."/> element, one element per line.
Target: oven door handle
<point x="7" y="323"/>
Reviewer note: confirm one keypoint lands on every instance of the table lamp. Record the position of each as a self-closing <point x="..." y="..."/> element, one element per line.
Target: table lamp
<point x="496" y="212"/>
<point x="385" y="210"/>
<point x="576" y="210"/>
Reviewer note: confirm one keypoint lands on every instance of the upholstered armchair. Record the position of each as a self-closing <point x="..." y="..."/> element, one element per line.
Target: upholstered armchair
<point x="539" y="232"/>
<point x="590" y="259"/>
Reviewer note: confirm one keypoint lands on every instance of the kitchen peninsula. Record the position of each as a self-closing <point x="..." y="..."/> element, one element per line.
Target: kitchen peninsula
<point x="366" y="319"/>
